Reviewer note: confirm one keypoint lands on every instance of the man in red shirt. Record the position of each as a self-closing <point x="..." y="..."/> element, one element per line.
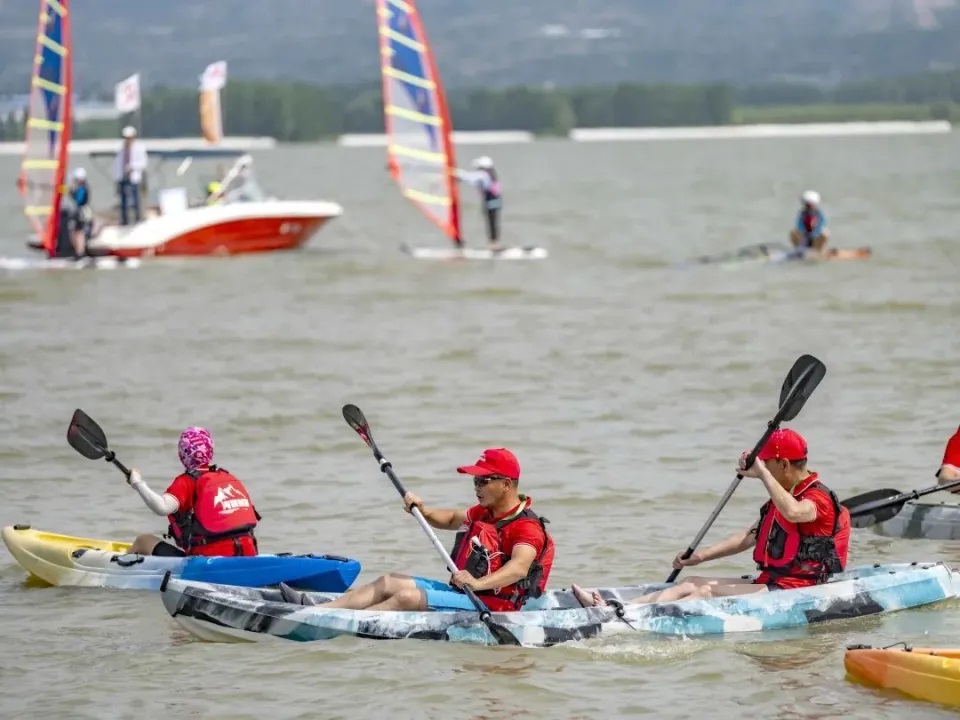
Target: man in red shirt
<point x="514" y="539"/>
<point x="800" y="539"/>
<point x="950" y="466"/>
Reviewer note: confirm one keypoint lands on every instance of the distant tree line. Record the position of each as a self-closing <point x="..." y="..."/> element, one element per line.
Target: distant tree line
<point x="300" y="112"/>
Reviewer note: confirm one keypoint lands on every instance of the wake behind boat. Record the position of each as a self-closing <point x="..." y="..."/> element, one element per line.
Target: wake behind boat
<point x="420" y="154"/>
<point x="229" y="614"/>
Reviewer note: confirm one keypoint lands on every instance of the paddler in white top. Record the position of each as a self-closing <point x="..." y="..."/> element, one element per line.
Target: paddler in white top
<point x="129" y="166"/>
<point x="484" y="178"/>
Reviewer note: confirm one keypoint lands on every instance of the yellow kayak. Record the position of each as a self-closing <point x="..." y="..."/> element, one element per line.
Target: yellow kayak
<point x="51" y="557"/>
<point x="85" y="562"/>
<point x="922" y="673"/>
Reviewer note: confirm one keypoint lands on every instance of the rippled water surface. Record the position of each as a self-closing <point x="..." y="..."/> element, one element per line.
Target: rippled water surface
<point x="626" y="386"/>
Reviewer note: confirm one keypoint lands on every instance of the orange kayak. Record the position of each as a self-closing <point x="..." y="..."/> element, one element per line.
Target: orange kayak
<point x="922" y="673"/>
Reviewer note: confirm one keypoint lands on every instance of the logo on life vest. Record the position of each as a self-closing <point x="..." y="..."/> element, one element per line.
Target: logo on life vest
<point x="229" y="500"/>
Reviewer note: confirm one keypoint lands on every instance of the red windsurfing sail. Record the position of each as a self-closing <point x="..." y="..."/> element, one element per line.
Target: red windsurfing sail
<point x="48" y="124"/>
<point x="419" y="150"/>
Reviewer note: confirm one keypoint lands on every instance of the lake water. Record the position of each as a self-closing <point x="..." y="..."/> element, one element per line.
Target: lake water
<point x="626" y="386"/>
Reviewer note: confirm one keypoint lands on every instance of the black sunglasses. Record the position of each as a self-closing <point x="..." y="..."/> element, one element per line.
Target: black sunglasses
<point x="480" y="481"/>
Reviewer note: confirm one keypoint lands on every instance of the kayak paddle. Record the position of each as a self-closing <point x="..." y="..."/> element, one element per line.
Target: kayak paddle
<point x="88" y="439"/>
<point x="801" y="381"/>
<point x="878" y="506"/>
<point x="355" y="419"/>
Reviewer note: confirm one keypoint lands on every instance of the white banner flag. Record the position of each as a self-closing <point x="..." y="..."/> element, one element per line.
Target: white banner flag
<point x="215" y="76"/>
<point x="126" y="94"/>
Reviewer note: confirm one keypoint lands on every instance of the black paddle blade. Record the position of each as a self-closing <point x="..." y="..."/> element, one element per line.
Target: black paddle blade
<point x="869" y="497"/>
<point x="503" y="636"/>
<point x="874" y="507"/>
<point x="86" y="437"/>
<point x="805" y="375"/>
<point x="355" y="419"/>
<point x="872" y="517"/>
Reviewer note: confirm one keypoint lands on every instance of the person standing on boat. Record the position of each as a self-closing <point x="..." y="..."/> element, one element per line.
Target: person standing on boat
<point x="811" y="232"/>
<point x="502" y="548"/>
<point x="484" y="178"/>
<point x="800" y="540"/>
<point x="950" y="465"/>
<point x="129" y="167"/>
<point x="210" y="511"/>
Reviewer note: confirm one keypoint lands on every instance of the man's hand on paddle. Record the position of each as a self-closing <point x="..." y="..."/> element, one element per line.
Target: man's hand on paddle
<point x="679" y="562"/>
<point x="754" y="471"/>
<point x="411" y="501"/>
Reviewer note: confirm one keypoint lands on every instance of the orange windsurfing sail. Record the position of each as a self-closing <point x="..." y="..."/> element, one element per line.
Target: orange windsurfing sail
<point x="419" y="150"/>
<point x="47" y="138"/>
<point x="212" y="81"/>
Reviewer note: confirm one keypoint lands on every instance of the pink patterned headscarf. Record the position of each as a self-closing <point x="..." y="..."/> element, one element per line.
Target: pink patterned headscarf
<point x="195" y="448"/>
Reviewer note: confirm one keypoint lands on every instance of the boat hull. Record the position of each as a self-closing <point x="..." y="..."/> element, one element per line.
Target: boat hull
<point x="223" y="613"/>
<point x="232" y="229"/>
<point x="68" y="561"/>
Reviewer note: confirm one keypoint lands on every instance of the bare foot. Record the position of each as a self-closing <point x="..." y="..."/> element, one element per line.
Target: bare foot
<point x="585" y="598"/>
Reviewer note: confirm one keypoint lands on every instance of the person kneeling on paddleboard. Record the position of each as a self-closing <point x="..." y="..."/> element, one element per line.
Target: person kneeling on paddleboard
<point x="811" y="231"/>
<point x="950" y="465"/>
<point x="210" y="511"/>
<point x="800" y="539"/>
<point x="502" y="548"/>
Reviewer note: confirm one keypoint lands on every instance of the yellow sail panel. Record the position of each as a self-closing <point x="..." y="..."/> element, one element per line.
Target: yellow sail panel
<point x="419" y="151"/>
<point x="48" y="123"/>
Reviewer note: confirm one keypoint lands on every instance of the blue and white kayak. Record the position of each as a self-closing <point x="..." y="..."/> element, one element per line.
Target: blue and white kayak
<point x="230" y="614"/>
<point x="65" y="560"/>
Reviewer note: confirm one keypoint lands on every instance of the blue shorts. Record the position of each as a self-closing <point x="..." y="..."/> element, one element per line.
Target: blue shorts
<point x="441" y="596"/>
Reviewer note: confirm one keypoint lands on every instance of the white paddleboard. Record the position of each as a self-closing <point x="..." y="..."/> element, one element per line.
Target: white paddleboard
<point x="469" y="253"/>
<point x="92" y="263"/>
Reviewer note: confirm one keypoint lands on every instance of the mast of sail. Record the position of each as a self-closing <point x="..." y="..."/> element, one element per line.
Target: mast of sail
<point x="419" y="149"/>
<point x="47" y="135"/>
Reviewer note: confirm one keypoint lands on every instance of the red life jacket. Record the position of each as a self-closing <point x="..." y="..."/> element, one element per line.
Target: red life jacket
<point x="783" y="550"/>
<point x="478" y="550"/>
<point x="222" y="509"/>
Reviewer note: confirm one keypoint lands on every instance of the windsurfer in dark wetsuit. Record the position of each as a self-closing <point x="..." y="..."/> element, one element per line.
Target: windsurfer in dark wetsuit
<point x="76" y="218"/>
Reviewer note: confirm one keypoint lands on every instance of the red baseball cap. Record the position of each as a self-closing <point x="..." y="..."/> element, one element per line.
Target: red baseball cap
<point x="784" y="444"/>
<point x="494" y="461"/>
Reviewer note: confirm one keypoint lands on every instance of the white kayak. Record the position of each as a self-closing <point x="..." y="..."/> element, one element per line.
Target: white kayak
<point x="231" y="614"/>
<point x="510" y="252"/>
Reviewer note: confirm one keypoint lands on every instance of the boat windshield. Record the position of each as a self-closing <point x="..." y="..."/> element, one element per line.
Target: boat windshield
<point x="243" y="188"/>
<point x="240" y="184"/>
